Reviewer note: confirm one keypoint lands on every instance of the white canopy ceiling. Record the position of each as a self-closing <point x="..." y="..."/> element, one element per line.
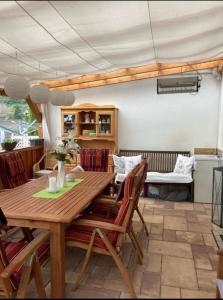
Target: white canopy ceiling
<point x="59" y="39"/>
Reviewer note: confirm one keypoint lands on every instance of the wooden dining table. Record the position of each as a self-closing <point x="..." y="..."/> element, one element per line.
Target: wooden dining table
<point x="24" y="210"/>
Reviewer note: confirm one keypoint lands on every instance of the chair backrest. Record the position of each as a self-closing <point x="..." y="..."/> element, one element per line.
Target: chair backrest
<point x="120" y="193"/>
<point x="49" y="161"/>
<point x="12" y="170"/>
<point x="126" y="207"/>
<point x="94" y="159"/>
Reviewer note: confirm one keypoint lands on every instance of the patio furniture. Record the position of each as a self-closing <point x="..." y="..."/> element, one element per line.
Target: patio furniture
<point x="94" y="159"/>
<point x="163" y="162"/>
<point x="12" y="170"/>
<point x="101" y="202"/>
<point x="12" y="175"/>
<point x="19" y="263"/>
<point x="104" y="235"/>
<point x="23" y="209"/>
<point x="45" y="165"/>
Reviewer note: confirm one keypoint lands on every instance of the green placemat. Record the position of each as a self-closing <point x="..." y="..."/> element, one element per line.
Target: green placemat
<point x="68" y="186"/>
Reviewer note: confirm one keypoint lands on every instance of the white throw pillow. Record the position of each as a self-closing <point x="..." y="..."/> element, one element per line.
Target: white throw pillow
<point x="119" y="164"/>
<point x="184" y="164"/>
<point x="131" y="162"/>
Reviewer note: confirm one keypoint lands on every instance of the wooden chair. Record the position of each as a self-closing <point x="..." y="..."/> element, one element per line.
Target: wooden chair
<point x="106" y="235"/>
<point x="94" y="159"/>
<point x="20" y="262"/>
<point x="100" y="203"/>
<point x="49" y="164"/>
<point x="12" y="170"/>
<point x="13" y="174"/>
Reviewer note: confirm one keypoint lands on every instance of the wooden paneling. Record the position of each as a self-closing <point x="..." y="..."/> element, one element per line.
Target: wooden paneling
<point x="30" y="156"/>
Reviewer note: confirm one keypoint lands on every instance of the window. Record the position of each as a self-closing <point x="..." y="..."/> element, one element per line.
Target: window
<point x="17" y="121"/>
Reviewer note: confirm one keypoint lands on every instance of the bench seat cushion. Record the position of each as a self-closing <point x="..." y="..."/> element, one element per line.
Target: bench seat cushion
<point x="168" y="177"/>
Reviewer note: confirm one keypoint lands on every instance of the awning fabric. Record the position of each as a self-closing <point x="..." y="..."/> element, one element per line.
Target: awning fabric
<point x="44" y="40"/>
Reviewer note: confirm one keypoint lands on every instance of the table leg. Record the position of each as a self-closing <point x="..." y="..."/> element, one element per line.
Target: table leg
<point x="57" y="257"/>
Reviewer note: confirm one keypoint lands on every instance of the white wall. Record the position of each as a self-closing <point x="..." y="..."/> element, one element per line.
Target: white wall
<point x="220" y="119"/>
<point x="159" y="122"/>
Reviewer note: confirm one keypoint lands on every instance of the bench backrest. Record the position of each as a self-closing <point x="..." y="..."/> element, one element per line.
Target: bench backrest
<point x="159" y="161"/>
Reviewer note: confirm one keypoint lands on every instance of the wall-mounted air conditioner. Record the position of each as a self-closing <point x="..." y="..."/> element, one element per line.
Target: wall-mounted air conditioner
<point x="178" y="85"/>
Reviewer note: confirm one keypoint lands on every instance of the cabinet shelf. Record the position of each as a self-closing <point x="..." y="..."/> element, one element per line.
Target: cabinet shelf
<point x="105" y="119"/>
<point x="86" y="137"/>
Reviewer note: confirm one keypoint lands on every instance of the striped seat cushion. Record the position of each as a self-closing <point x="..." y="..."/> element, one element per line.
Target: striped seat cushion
<point x="94" y="159"/>
<point x="83" y="234"/>
<point x="9" y="250"/>
<point x="12" y="170"/>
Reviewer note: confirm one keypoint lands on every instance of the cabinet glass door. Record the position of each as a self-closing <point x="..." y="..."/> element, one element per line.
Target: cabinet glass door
<point x="69" y="121"/>
<point x="104" y="123"/>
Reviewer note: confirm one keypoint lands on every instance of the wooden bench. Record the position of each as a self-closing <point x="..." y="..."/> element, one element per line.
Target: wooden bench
<point x="161" y="161"/>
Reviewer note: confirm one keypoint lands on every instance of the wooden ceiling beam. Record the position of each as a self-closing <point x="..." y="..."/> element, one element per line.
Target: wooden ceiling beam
<point x="143" y="75"/>
<point x="122" y="73"/>
<point x="108" y="75"/>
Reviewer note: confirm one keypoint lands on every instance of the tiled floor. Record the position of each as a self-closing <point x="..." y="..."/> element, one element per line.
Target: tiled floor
<point x="180" y="257"/>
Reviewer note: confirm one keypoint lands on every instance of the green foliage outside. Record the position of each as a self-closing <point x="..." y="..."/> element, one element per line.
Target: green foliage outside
<point x="18" y="111"/>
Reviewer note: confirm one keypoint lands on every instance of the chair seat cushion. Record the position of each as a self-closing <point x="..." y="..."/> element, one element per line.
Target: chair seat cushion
<point x="82" y="233"/>
<point x="12" y="249"/>
<point x="168" y="177"/>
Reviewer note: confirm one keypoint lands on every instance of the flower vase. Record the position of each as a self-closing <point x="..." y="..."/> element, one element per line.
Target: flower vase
<point x="61" y="174"/>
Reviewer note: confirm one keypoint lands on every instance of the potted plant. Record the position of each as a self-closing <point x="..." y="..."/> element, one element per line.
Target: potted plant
<point x="8" y="144"/>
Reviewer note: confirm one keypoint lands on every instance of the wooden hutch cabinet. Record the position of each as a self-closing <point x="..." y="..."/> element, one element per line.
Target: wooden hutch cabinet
<point x="94" y="126"/>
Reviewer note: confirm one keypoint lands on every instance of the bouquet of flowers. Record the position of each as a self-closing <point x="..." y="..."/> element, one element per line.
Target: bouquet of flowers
<point x="66" y="148"/>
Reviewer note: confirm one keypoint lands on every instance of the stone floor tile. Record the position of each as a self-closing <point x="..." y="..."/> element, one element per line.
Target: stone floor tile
<point x="199" y="206"/>
<point x="189" y="237"/>
<point x="169" y="204"/>
<point x="153" y="219"/>
<point x="84" y="292"/>
<point x="191" y="218"/>
<point x="202" y="249"/>
<point x="148" y="210"/>
<point x="157" y="229"/>
<point x="170" y="248"/>
<point x="206" y="280"/>
<point x="197" y="227"/>
<point x="152" y="262"/>
<point x="175" y="223"/>
<point x="169" y="235"/>
<point x="193" y="294"/>
<point x="202" y="261"/>
<point x="214" y="261"/>
<point x="204" y="219"/>
<point x="156" y="204"/>
<point x="209" y="239"/>
<point x="148" y="201"/>
<point x="155" y="236"/>
<point x="169" y="212"/>
<point x="151" y="284"/>
<point x="169" y="292"/>
<point x="178" y="272"/>
<point x="184" y="205"/>
<point x="207" y="205"/>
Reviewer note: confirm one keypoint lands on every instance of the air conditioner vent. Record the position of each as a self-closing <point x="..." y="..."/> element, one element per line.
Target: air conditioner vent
<point x="178" y="85"/>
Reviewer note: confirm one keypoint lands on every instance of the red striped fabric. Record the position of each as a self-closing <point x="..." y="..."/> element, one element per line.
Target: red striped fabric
<point x="83" y="233"/>
<point x="9" y="250"/>
<point x="94" y="159"/>
<point x="12" y="170"/>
